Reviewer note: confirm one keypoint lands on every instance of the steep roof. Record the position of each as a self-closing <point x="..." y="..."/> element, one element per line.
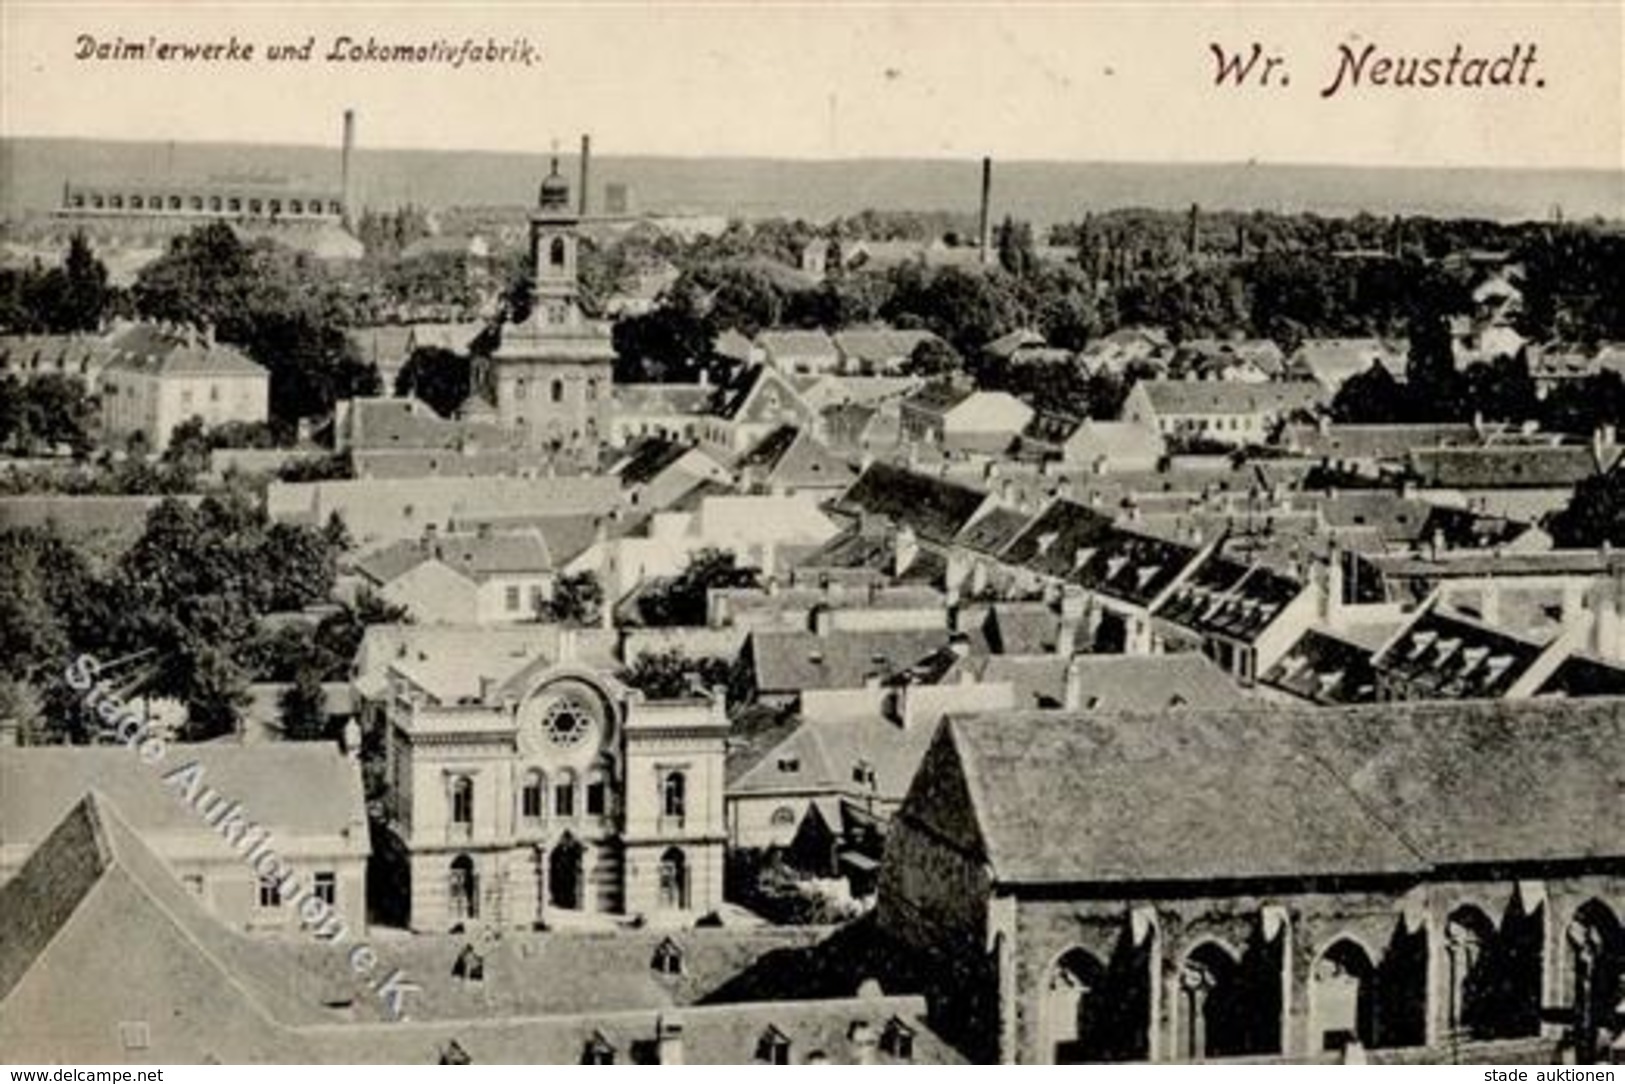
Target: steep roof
<point x="1326" y="669"/>
<point x="1224" y="598"/>
<point x="1449" y="656"/>
<point x="1054" y="542"/>
<point x="1132" y="566"/>
<point x="792" y="457"/>
<point x="1268" y="792"/>
<point x="935" y="509"/>
<point x="477" y="556"/>
<point x="1509" y="467"/>
<point x="165" y="351"/>
<point x="797" y="661"/>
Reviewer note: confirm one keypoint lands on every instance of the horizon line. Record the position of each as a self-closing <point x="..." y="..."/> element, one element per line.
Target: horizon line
<point x="970" y="159"/>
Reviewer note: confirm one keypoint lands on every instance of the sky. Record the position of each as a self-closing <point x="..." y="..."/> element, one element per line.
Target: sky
<point x="1091" y="81"/>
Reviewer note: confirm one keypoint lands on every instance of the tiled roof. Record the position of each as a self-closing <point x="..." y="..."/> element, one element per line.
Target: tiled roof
<point x="993" y="530"/>
<point x="1212" y="397"/>
<point x="1376" y="442"/>
<point x="797" y="661"/>
<point x="1108" y="683"/>
<point x="1051" y="543"/>
<point x="71" y="355"/>
<point x="477" y="556"/>
<point x="662" y="398"/>
<point x="152" y="349"/>
<point x="1132" y="566"/>
<point x="935" y="509"/>
<point x="647" y="459"/>
<point x="1445" y="656"/>
<point x="1223" y="598"/>
<point x="1307" y="792"/>
<point x="1326" y="669"/>
<point x="793" y="343"/>
<point x="1582" y="675"/>
<point x="939" y="396"/>
<point x="880" y="345"/>
<point x="793" y="457"/>
<point x="1333" y="361"/>
<point x="303" y="790"/>
<point x="1508" y="467"/>
<point x="410" y="423"/>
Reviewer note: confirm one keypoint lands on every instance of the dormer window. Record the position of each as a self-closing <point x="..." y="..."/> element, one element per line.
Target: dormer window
<point x="598" y="1051"/>
<point x="773" y="1047"/>
<point x="897" y="1039"/>
<point x="469" y="966"/>
<point x="668" y="958"/>
<point x="789" y="764"/>
<point x="454" y="1054"/>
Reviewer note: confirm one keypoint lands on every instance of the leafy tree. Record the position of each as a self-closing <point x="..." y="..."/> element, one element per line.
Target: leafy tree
<point x="303" y="706"/>
<point x="1434" y="388"/>
<point x="933" y="357"/>
<point x="1015" y="247"/>
<point x="1594" y="515"/>
<point x="578" y="599"/>
<point x="441" y="378"/>
<point x="673" y="675"/>
<point x="683" y="599"/>
<point x="85" y="293"/>
<point x="1372" y="397"/>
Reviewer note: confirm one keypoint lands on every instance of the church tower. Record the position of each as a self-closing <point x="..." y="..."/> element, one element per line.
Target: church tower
<point x="550" y="375"/>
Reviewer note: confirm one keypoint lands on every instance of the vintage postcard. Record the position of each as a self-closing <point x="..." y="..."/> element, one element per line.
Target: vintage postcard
<point x="789" y="533"/>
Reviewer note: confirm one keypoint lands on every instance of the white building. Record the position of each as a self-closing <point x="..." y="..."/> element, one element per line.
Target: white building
<point x="158" y="377"/>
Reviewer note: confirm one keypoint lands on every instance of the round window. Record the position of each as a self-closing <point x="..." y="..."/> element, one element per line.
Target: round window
<point x="567" y="723"/>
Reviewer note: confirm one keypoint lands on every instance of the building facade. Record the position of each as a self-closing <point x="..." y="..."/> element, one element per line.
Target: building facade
<point x="551" y="796"/>
<point x="551" y="375"/>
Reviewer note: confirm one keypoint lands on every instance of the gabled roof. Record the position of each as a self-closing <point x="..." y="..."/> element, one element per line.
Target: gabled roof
<point x="879" y="345"/>
<point x="1132" y="566"/>
<point x="163" y="351"/>
<point x="1265" y="792"/>
<point x="1332" y="362"/>
<point x="939" y="396"/>
<point x="647" y="459"/>
<point x="477" y="556"/>
<point x="1223" y="598"/>
<point x="795" y="342"/>
<point x="39" y="784"/>
<point x="792" y="457"/>
<point x="992" y="531"/>
<point x="935" y="509"/>
<point x="1509" y="467"/>
<point x="1054" y="542"/>
<point x="798" y="661"/>
<point x="1226" y="397"/>
<point x="1448" y="656"/>
<point x="736" y="402"/>
<point x="678" y="399"/>
<point x="1326" y="669"/>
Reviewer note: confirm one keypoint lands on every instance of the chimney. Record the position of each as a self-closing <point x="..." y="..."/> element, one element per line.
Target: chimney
<point x="1073" y="697"/>
<point x="586" y="172"/>
<point x="346" y="171"/>
<point x="864" y="1043"/>
<point x="905" y="550"/>
<point x="1066" y="643"/>
<point x="668" y="1042"/>
<point x="984" y="231"/>
<point x="350" y="740"/>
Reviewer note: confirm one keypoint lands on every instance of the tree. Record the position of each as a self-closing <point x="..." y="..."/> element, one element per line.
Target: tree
<point x="683" y="600"/>
<point x="47" y="411"/>
<point x="673" y="675"/>
<point x="578" y="599"/>
<point x="1434" y="388"/>
<point x="1372" y="397"/>
<point x="1594" y="515"/>
<point x="933" y="357"/>
<point x="303" y="706"/>
<point x="85" y="294"/>
<point x="439" y="377"/>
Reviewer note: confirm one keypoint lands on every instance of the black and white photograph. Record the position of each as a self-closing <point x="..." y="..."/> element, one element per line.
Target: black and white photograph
<point x="767" y="532"/>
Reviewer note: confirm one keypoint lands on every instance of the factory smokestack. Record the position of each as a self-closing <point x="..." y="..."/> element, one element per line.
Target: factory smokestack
<point x="346" y="176"/>
<point x="586" y="172"/>
<point x="984" y="232"/>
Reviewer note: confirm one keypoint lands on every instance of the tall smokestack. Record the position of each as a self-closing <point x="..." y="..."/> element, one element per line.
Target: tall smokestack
<point x="347" y="195"/>
<point x="586" y="172"/>
<point x="984" y="231"/>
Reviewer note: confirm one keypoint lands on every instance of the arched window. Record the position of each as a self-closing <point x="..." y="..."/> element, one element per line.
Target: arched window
<point x="296" y="207"/>
<point x="533" y="797"/>
<point x="555" y="252"/>
<point x="597" y="793"/>
<point x="1343" y="996"/>
<point x="1073" y="1015"/>
<point x="674" y="880"/>
<point x="1596" y="964"/>
<point x="674" y="795"/>
<point x="784" y="817"/>
<point x="558" y="391"/>
<point x="174" y="203"/>
<point x="463" y="889"/>
<point x="564" y="795"/>
<point x="197" y="203"/>
<point x="255" y="207"/>
<point x="462" y="801"/>
<point x="136" y="203"/>
<point x="1211" y="1004"/>
<point x="1469" y="941"/>
<point x="214" y="204"/>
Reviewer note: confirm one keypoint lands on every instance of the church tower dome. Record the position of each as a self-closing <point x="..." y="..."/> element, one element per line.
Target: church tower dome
<point x="555" y="192"/>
